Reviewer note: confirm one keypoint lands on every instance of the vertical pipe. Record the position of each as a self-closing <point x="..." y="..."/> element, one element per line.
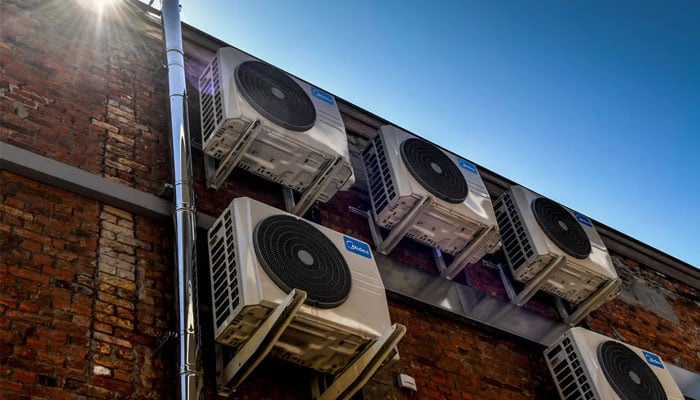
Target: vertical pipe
<point x="189" y="359"/>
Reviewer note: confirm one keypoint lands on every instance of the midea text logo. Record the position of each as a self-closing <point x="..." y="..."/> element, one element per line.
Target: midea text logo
<point x="318" y="93"/>
<point x="357" y="247"/>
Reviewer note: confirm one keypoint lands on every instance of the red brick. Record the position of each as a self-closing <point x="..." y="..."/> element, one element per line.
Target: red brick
<point x="10" y="386"/>
<point x="28" y="307"/>
<point x="112" y="384"/>
<point x="112" y="340"/>
<point x="28" y="274"/>
<point x="24" y="376"/>
<point x="36" y="344"/>
<point x="52" y="336"/>
<point x="54" y="359"/>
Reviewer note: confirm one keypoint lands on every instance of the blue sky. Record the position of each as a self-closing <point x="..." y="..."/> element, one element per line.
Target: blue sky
<point x="595" y="104"/>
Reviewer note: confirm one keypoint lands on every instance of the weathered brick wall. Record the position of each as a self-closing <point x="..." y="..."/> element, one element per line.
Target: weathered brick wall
<point x="47" y="266"/>
<point x="85" y="90"/>
<point x="451" y="360"/>
<point x="653" y="312"/>
<point x="87" y="288"/>
<point x="85" y="293"/>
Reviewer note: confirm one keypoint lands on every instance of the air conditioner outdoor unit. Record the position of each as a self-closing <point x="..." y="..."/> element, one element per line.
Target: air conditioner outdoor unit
<point x="301" y="130"/>
<point x="535" y="231"/>
<point x="587" y="365"/>
<point x="258" y="254"/>
<point x="402" y="169"/>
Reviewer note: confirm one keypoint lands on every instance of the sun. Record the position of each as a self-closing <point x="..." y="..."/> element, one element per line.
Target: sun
<point x="99" y="6"/>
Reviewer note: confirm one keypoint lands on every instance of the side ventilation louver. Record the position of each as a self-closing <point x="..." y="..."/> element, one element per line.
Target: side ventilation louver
<point x="225" y="285"/>
<point x="210" y="91"/>
<point x="378" y="174"/>
<point x="568" y="371"/>
<point x="513" y="237"/>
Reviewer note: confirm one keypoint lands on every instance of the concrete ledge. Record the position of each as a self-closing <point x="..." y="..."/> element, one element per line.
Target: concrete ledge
<point x="75" y="180"/>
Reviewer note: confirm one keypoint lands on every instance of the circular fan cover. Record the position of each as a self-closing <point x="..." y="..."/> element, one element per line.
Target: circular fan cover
<point x="296" y="255"/>
<point x="561" y="228"/>
<point x="629" y="376"/>
<point x="275" y="95"/>
<point x="434" y="170"/>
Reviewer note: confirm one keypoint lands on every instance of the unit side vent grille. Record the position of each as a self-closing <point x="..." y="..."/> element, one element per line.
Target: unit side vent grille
<point x="210" y="99"/>
<point x="222" y="256"/>
<point x="378" y="175"/>
<point x="568" y="372"/>
<point x="516" y="244"/>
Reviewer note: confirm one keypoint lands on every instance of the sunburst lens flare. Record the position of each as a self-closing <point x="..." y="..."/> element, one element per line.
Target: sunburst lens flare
<point x="98" y="5"/>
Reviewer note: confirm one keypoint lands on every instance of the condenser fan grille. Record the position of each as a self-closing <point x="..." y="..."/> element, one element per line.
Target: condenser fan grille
<point x="628" y="375"/>
<point x="561" y="228"/>
<point x="275" y="95"/>
<point x="434" y="170"/>
<point x="296" y="255"/>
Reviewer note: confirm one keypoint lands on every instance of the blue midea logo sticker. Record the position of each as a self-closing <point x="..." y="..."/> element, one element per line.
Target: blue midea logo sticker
<point x="467" y="165"/>
<point x="318" y="93"/>
<point x="653" y="359"/>
<point x="357" y="247"/>
<point x="583" y="219"/>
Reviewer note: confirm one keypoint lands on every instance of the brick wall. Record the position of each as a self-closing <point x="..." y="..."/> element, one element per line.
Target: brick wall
<point x="85" y="90"/>
<point x="87" y="288"/>
<point x="85" y="292"/>
<point x="653" y="312"/>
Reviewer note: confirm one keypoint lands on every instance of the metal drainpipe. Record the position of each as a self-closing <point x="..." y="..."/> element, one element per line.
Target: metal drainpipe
<point x="189" y="359"/>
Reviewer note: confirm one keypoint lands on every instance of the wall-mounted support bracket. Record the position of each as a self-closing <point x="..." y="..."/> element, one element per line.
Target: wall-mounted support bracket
<point x="538" y="281"/>
<point x="505" y="280"/>
<point x="357" y="373"/>
<point x="571" y="318"/>
<point x="373" y="229"/>
<point x="561" y="308"/>
<point x="256" y="348"/>
<point x="461" y="258"/>
<point x="315" y="189"/>
<point x="385" y="245"/>
<point x="593" y="301"/>
<point x="400" y="229"/>
<point x="216" y="176"/>
<point x="288" y="196"/>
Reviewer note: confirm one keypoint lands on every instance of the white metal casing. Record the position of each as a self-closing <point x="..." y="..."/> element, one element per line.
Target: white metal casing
<point x="290" y="158"/>
<point x="447" y="226"/>
<point x="575" y="355"/>
<point x="243" y="295"/>
<point x="529" y="250"/>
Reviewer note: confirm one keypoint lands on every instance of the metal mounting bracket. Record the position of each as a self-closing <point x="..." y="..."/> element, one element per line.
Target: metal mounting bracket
<point x="538" y="280"/>
<point x="582" y="310"/>
<point x="288" y="195"/>
<point x="315" y="189"/>
<point x="505" y="281"/>
<point x="216" y="176"/>
<point x="385" y="245"/>
<point x="458" y="264"/>
<point x="373" y="229"/>
<point x="561" y="308"/>
<point x="256" y="348"/>
<point x="356" y="375"/>
<point x="593" y="301"/>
